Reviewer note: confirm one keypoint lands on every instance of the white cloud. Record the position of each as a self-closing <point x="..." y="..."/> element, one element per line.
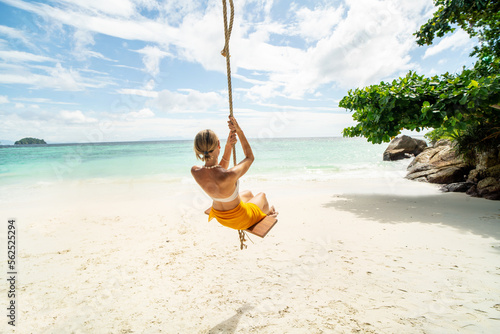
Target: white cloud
<point x="138" y="92"/>
<point x="318" y="23"/>
<point x="20" y="57"/>
<point x="102" y="21"/>
<point x="378" y="30"/>
<point x="358" y="43"/>
<point x="19" y="105"/>
<point x="125" y="66"/>
<point x="150" y="85"/>
<point x="11" y="67"/>
<point x="82" y="41"/>
<point x="4" y="99"/>
<point x="266" y="90"/>
<point x="40" y="100"/>
<point x="459" y="40"/>
<point x="370" y="43"/>
<point x="174" y="11"/>
<point x="15" y="34"/>
<point x="143" y="113"/>
<point x="124" y="8"/>
<point x="309" y="49"/>
<point x="182" y="101"/>
<point x="279" y="124"/>
<point x="76" y="126"/>
<point x="203" y="39"/>
<point x="192" y="101"/>
<point x="62" y="79"/>
<point x="152" y="57"/>
<point x="57" y="78"/>
<point x="76" y="116"/>
<point x="17" y="79"/>
<point x="52" y="128"/>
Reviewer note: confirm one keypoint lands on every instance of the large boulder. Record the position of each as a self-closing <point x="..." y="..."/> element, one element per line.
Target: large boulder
<point x="493" y="171"/>
<point x="476" y="174"/>
<point x="486" y="175"/>
<point x="448" y="175"/>
<point x="458" y="187"/>
<point x="404" y="147"/>
<point x="489" y="188"/>
<point x="438" y="164"/>
<point x="488" y="159"/>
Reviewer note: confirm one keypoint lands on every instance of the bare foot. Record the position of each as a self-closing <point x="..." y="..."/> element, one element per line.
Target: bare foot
<point x="272" y="212"/>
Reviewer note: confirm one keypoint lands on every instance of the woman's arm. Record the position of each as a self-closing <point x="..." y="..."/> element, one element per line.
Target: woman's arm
<point x="226" y="156"/>
<point x="242" y="167"/>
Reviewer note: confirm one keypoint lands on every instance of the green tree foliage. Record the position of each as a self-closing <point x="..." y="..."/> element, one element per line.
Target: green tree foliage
<point x="30" y="141"/>
<point x="415" y="102"/>
<point x="452" y="104"/>
<point x="468" y="144"/>
<point x="479" y="18"/>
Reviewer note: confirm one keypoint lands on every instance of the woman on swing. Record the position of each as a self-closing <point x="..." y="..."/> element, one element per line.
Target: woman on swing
<point x="230" y="207"/>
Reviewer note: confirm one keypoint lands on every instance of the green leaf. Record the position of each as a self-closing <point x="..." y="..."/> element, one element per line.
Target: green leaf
<point x="463" y="100"/>
<point x="473" y="83"/>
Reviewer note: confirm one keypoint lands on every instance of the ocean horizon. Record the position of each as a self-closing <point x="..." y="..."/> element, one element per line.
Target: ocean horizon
<point x="310" y="159"/>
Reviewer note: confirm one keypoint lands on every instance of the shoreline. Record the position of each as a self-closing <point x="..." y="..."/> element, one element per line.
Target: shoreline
<point x="369" y="255"/>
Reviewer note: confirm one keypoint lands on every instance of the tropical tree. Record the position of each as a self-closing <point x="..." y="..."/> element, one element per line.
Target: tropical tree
<point x="479" y="18"/>
<point x="451" y="104"/>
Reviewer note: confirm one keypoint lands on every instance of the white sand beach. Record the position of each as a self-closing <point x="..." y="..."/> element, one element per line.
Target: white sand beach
<point x="382" y="255"/>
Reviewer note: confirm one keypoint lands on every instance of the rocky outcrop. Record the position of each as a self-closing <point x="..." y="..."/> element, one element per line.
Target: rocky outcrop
<point x="486" y="180"/>
<point x="488" y="188"/>
<point x="438" y="164"/>
<point x="404" y="147"/>
<point x="488" y="159"/>
<point x="441" y="164"/>
<point x="457" y="187"/>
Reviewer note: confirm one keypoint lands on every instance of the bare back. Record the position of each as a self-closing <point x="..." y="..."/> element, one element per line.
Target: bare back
<point x="218" y="183"/>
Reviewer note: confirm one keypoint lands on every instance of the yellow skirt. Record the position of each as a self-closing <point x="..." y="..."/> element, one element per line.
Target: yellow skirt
<point x="240" y="218"/>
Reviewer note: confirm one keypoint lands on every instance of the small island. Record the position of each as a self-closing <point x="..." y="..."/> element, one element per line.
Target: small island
<point x="30" y="141"/>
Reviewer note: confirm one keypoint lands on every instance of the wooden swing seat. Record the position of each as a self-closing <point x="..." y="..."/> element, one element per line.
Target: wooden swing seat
<point x="261" y="228"/>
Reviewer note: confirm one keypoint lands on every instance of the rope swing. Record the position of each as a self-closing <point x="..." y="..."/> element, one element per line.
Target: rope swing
<point x="262" y="227"/>
<point x="225" y="53"/>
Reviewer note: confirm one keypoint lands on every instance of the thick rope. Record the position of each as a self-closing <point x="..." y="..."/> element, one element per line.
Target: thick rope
<point x="241" y="234"/>
<point x="227" y="55"/>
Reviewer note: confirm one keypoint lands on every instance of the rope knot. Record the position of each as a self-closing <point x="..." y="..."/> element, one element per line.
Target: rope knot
<point x="224" y="53"/>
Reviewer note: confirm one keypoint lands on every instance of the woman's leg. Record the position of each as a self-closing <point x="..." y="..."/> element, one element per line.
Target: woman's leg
<point x="246" y="195"/>
<point x="261" y="201"/>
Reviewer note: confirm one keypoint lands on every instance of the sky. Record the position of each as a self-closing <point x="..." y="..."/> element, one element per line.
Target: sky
<point x="127" y="70"/>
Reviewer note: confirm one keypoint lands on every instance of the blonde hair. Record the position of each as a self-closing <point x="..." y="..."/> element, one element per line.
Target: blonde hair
<point x="205" y="142"/>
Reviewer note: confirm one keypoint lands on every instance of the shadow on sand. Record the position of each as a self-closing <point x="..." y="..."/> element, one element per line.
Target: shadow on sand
<point x="474" y="215"/>
<point x="229" y="326"/>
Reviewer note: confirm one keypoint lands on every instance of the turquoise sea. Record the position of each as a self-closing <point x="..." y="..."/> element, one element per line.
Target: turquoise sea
<point x="312" y="159"/>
